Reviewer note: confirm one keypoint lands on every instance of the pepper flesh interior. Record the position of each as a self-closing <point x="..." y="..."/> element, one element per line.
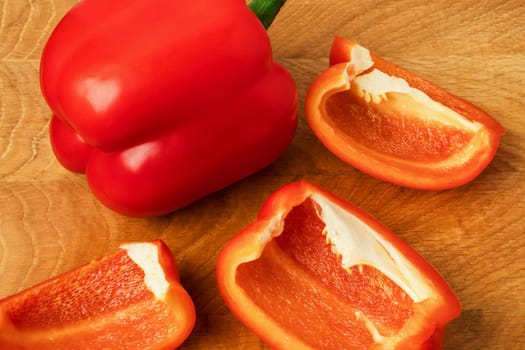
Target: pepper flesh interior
<point x="385" y="114"/>
<point x="90" y="307"/>
<point x="392" y="132"/>
<point x="301" y="284"/>
<point x="88" y="294"/>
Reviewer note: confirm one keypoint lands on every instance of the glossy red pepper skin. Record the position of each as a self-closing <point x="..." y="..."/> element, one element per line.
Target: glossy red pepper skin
<point x="163" y="102"/>
<point x="111" y="303"/>
<point x="283" y="277"/>
<point x="405" y="138"/>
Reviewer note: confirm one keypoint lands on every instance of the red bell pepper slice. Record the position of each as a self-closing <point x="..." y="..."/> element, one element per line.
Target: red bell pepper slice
<point x="396" y="126"/>
<point x="131" y="299"/>
<point x="162" y="102"/>
<point x="316" y="272"/>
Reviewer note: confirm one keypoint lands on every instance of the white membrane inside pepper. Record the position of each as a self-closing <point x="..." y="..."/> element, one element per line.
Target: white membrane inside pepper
<point x="146" y="256"/>
<point x="375" y="85"/>
<point x="378" y="83"/>
<point x="360" y="59"/>
<point x="358" y="244"/>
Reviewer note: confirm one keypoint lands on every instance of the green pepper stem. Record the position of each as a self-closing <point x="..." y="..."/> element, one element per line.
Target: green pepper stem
<point x="266" y="10"/>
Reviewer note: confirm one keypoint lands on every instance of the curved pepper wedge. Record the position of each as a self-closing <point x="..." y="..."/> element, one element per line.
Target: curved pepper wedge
<point x="396" y="126"/>
<point x="316" y="272"/>
<point x="131" y="299"/>
<point x="163" y="102"/>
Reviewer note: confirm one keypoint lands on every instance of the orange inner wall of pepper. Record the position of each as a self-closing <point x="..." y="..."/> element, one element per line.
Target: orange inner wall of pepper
<point x="301" y="284"/>
<point x="83" y="301"/>
<point x="389" y="133"/>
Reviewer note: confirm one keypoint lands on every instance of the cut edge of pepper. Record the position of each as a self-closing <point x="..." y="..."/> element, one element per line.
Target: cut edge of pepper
<point x="474" y="156"/>
<point x="426" y="306"/>
<point x="380" y="88"/>
<point x="457" y="168"/>
<point x="178" y="321"/>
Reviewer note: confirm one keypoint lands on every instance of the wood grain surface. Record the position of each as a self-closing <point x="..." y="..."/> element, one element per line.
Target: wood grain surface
<point x="474" y="235"/>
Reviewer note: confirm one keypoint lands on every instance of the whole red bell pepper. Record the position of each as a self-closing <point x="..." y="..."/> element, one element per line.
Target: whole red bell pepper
<point x="131" y="299"/>
<point x="396" y="126"/>
<point x="316" y="272"/>
<point x="162" y="102"/>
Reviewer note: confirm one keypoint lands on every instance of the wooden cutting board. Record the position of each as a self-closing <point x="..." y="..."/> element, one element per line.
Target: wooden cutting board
<point x="474" y="235"/>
